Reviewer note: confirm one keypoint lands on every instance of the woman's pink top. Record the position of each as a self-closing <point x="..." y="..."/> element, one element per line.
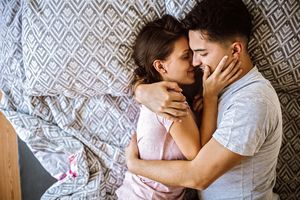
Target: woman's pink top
<point x="154" y="143"/>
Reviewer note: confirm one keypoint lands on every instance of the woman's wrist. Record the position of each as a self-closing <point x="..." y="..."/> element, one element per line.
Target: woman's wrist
<point x="210" y="97"/>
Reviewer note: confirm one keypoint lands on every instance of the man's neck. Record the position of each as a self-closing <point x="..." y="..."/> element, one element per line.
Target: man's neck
<point x="247" y="64"/>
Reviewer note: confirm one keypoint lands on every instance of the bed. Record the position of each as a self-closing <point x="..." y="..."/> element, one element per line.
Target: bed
<point x="65" y="71"/>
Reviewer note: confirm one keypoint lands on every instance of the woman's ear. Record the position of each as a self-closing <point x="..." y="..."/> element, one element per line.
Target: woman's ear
<point x="158" y="65"/>
<point x="236" y="49"/>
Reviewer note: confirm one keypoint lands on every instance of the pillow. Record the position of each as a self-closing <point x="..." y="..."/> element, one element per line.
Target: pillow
<point x="11" y="68"/>
<point x="82" y="47"/>
<point x="275" y="42"/>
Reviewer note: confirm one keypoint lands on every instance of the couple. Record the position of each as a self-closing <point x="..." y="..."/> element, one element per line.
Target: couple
<point x="233" y="154"/>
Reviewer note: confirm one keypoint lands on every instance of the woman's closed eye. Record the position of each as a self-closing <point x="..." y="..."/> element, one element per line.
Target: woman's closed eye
<point x="186" y="56"/>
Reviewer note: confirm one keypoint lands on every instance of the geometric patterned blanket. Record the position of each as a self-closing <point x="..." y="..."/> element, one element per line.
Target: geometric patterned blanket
<point x="76" y="126"/>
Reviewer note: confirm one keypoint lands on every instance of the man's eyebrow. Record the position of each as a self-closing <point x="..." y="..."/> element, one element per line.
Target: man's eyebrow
<point x="197" y="50"/>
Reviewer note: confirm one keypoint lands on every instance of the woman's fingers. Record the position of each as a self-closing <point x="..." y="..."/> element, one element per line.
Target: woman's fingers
<point x="221" y="65"/>
<point x="206" y="73"/>
<point x="235" y="69"/>
<point x="231" y="67"/>
<point x="235" y="76"/>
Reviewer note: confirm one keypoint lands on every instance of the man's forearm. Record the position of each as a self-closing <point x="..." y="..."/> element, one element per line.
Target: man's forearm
<point x="175" y="174"/>
<point x="212" y="161"/>
<point x="136" y="88"/>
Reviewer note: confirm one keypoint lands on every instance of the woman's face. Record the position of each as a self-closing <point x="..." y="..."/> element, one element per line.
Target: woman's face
<point x="178" y="66"/>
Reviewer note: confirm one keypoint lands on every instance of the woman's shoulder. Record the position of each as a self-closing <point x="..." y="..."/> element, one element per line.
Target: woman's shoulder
<point x="149" y="115"/>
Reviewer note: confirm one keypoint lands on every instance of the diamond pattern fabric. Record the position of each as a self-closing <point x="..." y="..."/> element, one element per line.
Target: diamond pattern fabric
<point x="65" y="68"/>
<point x="82" y="47"/>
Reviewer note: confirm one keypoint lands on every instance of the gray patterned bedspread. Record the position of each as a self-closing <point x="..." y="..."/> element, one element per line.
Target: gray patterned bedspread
<point x="76" y="126"/>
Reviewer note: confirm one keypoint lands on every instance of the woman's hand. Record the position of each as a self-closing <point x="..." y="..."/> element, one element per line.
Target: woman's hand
<point x="214" y="83"/>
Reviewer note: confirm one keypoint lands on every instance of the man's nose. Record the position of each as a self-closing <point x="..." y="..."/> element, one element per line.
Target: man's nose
<point x="196" y="61"/>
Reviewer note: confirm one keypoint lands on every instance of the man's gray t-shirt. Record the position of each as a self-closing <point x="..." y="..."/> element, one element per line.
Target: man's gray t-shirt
<point x="249" y="124"/>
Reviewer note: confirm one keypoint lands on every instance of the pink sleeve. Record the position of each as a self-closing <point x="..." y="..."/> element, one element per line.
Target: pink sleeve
<point x="165" y="122"/>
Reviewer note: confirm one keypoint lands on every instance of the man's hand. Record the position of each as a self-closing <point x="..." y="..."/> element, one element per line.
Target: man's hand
<point x="164" y="98"/>
<point x="132" y="152"/>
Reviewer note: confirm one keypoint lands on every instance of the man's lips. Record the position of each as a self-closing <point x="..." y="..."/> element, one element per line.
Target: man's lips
<point x="202" y="68"/>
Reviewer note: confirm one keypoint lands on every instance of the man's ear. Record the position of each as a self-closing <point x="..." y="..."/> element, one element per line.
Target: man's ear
<point x="158" y="65"/>
<point x="236" y="49"/>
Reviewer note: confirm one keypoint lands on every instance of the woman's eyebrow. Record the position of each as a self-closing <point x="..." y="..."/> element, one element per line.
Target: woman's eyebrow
<point x="186" y="50"/>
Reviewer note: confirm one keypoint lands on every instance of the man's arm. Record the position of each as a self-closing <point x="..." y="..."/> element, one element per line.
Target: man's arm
<point x="211" y="162"/>
<point x="164" y="98"/>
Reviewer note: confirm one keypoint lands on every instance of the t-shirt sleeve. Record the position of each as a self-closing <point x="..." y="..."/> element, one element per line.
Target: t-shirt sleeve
<point x="243" y="126"/>
<point x="165" y="122"/>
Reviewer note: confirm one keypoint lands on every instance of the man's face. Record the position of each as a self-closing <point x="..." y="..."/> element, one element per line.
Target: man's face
<point x="206" y="52"/>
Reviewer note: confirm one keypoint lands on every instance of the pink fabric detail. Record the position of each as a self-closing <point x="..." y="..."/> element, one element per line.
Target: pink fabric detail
<point x="62" y="176"/>
<point x="73" y="171"/>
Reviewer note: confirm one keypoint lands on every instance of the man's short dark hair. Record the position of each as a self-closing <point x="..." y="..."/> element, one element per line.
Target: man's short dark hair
<point x="220" y="19"/>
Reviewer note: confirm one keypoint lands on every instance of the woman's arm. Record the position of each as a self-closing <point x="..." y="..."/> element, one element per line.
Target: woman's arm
<point x="186" y="133"/>
<point x="212" y="86"/>
<point x="209" y="119"/>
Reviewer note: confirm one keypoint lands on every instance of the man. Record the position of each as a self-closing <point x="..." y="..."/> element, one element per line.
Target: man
<point x="239" y="162"/>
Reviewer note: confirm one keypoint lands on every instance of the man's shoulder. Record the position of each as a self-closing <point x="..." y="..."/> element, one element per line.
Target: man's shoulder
<point x="257" y="89"/>
<point x="255" y="97"/>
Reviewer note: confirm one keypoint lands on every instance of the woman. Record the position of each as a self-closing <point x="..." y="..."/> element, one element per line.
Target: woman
<point x="162" y="53"/>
